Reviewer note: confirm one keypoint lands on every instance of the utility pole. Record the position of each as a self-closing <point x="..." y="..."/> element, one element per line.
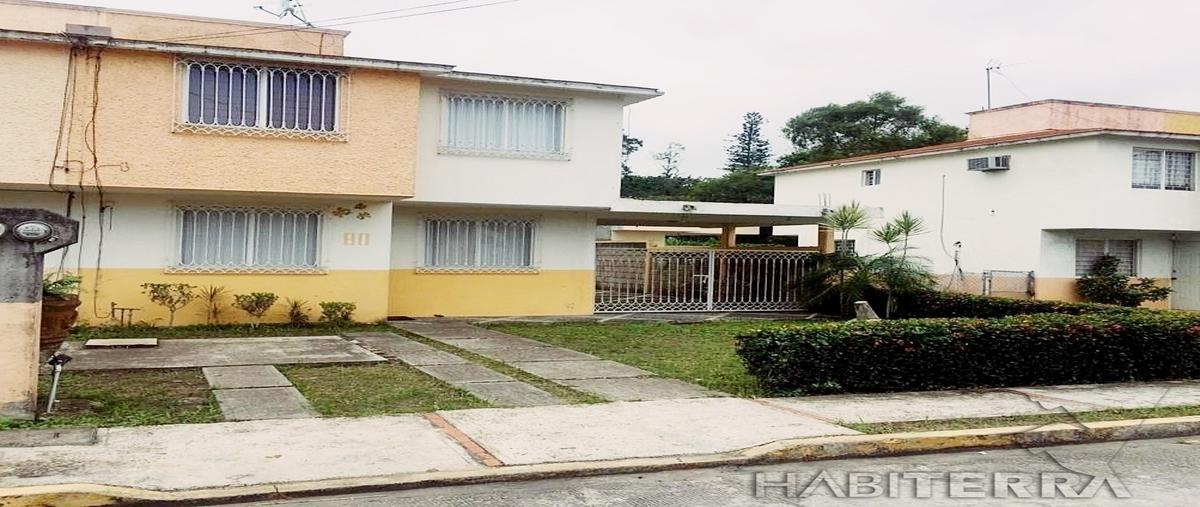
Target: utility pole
<point x="991" y="67"/>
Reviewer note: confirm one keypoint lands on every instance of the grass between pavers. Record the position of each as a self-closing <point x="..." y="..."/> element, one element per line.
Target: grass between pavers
<point x="1024" y="420"/>
<point x="701" y="353"/>
<point x="84" y="333"/>
<point x="375" y="389"/>
<point x="566" y="393"/>
<point x="125" y="398"/>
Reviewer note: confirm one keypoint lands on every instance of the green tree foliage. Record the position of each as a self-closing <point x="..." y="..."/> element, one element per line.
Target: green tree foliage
<point x="171" y="296"/>
<point x="669" y="158"/>
<point x="255" y="303"/>
<point x="748" y="150"/>
<point x="657" y="188"/>
<point x="885" y="122"/>
<point x="737" y="186"/>
<point x="1105" y="284"/>
<point x="629" y="145"/>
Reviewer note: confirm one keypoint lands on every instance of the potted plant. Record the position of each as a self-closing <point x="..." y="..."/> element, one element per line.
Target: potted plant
<point x="60" y="298"/>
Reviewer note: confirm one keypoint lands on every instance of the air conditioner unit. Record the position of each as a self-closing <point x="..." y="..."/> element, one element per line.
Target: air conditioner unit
<point x="997" y="163"/>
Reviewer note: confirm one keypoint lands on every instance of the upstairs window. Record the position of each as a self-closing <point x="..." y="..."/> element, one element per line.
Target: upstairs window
<point x="1163" y="169"/>
<point x="479" y="244"/>
<point x="870" y="177"/>
<point x="233" y="96"/>
<point x="504" y="126"/>
<point x="1088" y="250"/>
<point x="844" y="246"/>
<point x="228" y="238"/>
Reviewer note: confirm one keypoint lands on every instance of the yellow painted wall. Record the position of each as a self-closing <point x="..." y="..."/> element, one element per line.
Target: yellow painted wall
<point x="1181" y="123"/>
<point x="137" y="106"/>
<point x="1063" y="289"/>
<point x="368" y="289"/>
<point x="653" y="239"/>
<point x="52" y="18"/>
<point x="549" y="292"/>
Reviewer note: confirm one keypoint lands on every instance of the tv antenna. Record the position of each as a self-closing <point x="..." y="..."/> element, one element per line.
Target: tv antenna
<point x="288" y="8"/>
<point x="992" y="66"/>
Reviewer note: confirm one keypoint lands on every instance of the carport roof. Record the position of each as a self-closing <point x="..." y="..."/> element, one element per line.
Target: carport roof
<point x="707" y="214"/>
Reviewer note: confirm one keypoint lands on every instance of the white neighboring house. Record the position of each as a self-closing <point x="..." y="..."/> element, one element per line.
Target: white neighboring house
<point x="1039" y="189"/>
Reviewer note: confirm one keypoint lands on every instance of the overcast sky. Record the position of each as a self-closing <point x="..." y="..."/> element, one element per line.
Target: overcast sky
<point x="717" y="59"/>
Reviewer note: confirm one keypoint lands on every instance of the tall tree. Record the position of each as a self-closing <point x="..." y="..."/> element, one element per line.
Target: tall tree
<point x="748" y="150"/>
<point x="885" y="122"/>
<point x="668" y="159"/>
<point x="629" y="145"/>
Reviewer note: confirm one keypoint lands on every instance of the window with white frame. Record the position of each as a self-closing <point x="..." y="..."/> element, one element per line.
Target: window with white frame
<point x="1163" y="169"/>
<point x="259" y="96"/>
<point x="870" y="177"/>
<point x="479" y="243"/>
<point x="503" y="125"/>
<point x="219" y="238"/>
<point x="1088" y="250"/>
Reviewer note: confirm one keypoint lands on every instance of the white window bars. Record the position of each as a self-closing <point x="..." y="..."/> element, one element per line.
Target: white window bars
<point x="1087" y="251"/>
<point x="479" y="124"/>
<point x="247" y="239"/>
<point x="247" y="99"/>
<point x="1159" y="169"/>
<point x="479" y="244"/>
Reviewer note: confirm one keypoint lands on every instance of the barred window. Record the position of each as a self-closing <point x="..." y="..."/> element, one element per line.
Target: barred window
<point x="871" y="177"/>
<point x="1088" y="250"/>
<point x="844" y="246"/>
<point x="504" y="125"/>
<point x="1172" y="170"/>
<point x="469" y="243"/>
<point x="232" y="238"/>
<point x="241" y="95"/>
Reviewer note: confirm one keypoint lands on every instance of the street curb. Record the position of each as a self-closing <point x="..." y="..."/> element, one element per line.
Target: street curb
<point x="802" y="449"/>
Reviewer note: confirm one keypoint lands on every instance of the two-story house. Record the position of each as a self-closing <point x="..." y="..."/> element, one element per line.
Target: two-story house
<point x="259" y="158"/>
<point x="1042" y="188"/>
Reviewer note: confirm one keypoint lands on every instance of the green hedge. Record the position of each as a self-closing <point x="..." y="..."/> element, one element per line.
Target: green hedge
<point x="934" y="304"/>
<point x="926" y="354"/>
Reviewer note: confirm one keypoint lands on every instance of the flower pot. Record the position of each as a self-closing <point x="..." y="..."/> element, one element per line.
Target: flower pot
<point x="58" y="315"/>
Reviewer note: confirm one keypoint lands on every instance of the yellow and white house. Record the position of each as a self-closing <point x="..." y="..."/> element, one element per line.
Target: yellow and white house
<point x="1037" y="192"/>
<point x="259" y="158"/>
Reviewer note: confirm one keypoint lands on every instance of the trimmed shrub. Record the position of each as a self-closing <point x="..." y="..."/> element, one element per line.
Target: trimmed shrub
<point x="927" y="354"/>
<point x="337" y="313"/>
<point x="935" y="304"/>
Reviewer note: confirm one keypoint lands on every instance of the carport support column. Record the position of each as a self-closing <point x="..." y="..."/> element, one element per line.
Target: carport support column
<point x="25" y="236"/>
<point x="824" y="239"/>
<point x="728" y="236"/>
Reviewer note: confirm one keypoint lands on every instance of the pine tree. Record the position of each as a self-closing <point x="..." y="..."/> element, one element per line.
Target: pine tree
<point x="748" y="149"/>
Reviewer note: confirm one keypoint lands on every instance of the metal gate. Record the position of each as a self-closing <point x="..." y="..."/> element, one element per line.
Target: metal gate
<point x="699" y="280"/>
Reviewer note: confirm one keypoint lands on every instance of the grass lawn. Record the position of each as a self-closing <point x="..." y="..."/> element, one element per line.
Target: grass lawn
<point x="1025" y="420"/>
<point x="377" y="389"/>
<point x="218" y="331"/>
<point x="126" y="398"/>
<point x="702" y="353"/>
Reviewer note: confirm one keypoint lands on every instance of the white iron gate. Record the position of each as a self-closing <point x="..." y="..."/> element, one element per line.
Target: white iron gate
<point x="697" y="280"/>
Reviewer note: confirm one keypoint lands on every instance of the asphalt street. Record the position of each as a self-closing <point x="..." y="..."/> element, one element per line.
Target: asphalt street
<point x="1148" y="472"/>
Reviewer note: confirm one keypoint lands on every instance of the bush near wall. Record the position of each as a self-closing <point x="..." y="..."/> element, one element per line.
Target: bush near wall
<point x="928" y="354"/>
<point x="934" y="304"/>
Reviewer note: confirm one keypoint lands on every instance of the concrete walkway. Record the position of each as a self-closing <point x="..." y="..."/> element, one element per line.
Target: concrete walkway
<point x="196" y="353"/>
<point x="584" y="372"/>
<point x="247" y="393"/>
<point x="485" y="383"/>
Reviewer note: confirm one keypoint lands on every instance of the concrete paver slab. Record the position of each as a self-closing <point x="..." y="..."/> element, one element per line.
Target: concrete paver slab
<point x="510" y="394"/>
<point x="567" y="370"/>
<point x="263" y="403"/>
<point x="650" y="428"/>
<point x="240" y="377"/>
<point x="404" y="349"/>
<point x="191" y="456"/>
<point x="920" y="406"/>
<point x="48" y="437"/>
<point x="525" y="354"/>
<point x="121" y="342"/>
<point x="634" y="389"/>
<point x="480" y="345"/>
<point x="1142" y="395"/>
<point x="459" y="373"/>
<point x="194" y="353"/>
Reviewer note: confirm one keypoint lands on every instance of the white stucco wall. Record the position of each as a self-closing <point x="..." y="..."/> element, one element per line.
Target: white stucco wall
<point x="590" y="178"/>
<point x="1026" y="218"/>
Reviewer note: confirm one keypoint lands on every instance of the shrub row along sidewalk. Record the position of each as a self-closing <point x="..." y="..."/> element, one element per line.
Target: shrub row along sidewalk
<point x="931" y="354"/>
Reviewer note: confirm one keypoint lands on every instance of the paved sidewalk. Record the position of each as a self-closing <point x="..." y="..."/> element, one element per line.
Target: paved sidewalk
<point x="584" y="372"/>
<point x="247" y="393"/>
